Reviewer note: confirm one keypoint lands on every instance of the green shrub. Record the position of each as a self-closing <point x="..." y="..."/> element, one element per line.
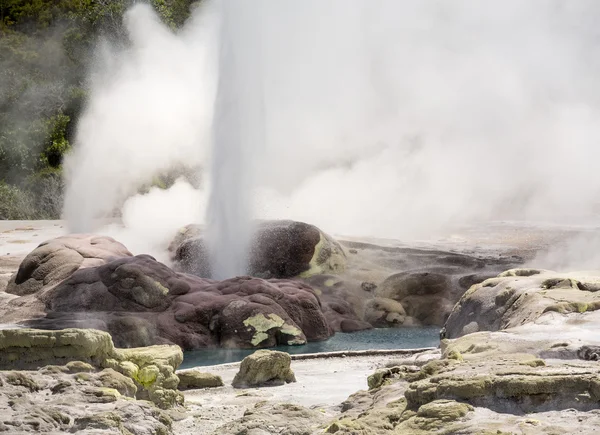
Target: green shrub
<point x="45" y="53"/>
<point x="15" y="203"/>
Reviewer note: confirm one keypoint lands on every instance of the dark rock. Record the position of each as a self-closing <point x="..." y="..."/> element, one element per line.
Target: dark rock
<point x="428" y="310"/>
<point x="142" y="302"/>
<point x="339" y="307"/>
<point x="368" y="286"/>
<point x="279" y="249"/>
<point x="589" y="353"/>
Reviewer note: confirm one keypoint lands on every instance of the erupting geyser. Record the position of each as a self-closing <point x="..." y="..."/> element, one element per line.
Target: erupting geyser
<point x="238" y="132"/>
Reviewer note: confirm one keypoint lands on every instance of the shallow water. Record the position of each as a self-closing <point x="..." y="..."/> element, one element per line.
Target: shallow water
<point x="392" y="338"/>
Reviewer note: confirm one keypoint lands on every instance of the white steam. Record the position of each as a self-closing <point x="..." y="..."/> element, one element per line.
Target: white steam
<point x="150" y="109"/>
<point x="149" y="222"/>
<point x="238" y="134"/>
<point x="389" y="118"/>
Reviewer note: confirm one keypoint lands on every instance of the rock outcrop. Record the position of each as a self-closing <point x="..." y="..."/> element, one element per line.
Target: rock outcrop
<point x="279" y="249"/>
<point x="264" y="367"/>
<point x="533" y="370"/>
<point x="142" y="302"/>
<point x="94" y="282"/>
<point x="520" y="296"/>
<point x="474" y="393"/>
<point x="150" y="370"/>
<point x="396" y="286"/>
<point x="57" y="259"/>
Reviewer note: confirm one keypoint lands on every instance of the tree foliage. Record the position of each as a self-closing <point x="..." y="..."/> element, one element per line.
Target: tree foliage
<point x="45" y="50"/>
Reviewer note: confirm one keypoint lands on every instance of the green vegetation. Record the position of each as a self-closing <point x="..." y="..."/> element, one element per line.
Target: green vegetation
<point x="46" y="47"/>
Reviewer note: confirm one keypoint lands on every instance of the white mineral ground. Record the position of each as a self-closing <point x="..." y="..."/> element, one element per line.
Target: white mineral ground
<point x="18" y="238"/>
<point x="322" y="383"/>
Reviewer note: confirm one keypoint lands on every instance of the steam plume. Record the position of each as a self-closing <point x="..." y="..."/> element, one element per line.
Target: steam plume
<point x="390" y="118"/>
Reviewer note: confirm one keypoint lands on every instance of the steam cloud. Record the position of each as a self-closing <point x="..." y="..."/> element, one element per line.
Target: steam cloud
<point x="150" y="109"/>
<point x="387" y="118"/>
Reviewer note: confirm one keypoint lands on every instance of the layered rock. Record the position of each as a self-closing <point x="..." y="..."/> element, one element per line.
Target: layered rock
<point x="30" y="348"/>
<point x="55" y="399"/>
<point x="520" y="296"/>
<point x="513" y="384"/>
<point x="474" y="393"/>
<point x="533" y="371"/>
<point x="150" y="370"/>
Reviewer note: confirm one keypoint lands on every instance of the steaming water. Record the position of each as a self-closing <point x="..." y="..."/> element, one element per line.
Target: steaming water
<point x="393" y="338"/>
<point x="237" y="133"/>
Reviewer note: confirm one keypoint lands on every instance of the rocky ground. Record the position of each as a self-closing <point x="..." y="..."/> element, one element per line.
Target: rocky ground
<point x="75" y="398"/>
<point x="306" y="286"/>
<point x="520" y="353"/>
<point x="315" y="398"/>
<point x="531" y="368"/>
<point x="75" y="380"/>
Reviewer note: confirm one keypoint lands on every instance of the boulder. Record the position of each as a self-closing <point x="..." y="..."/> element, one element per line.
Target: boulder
<point x="153" y="370"/>
<point x="191" y="379"/>
<point x="384" y="312"/>
<point x="279" y="249"/>
<point x="343" y="310"/>
<point x="284" y="249"/>
<point x="57" y="259"/>
<point x="428" y="310"/>
<point x="264" y="367"/>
